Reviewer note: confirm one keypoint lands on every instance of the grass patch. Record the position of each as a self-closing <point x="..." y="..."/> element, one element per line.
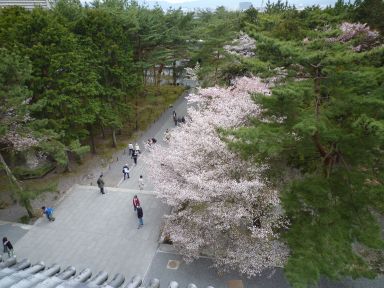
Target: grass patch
<point x="155" y="102"/>
<point x="24" y="219"/>
<point x="33" y="187"/>
<point x="22" y="172"/>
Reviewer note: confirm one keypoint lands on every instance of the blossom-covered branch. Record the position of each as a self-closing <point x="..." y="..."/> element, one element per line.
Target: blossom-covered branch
<point x="221" y="205"/>
<point x="243" y="46"/>
<point x="365" y="37"/>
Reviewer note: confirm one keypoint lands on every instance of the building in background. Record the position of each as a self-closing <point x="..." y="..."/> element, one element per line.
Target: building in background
<point x="27" y="4"/>
<point x="245" y="6"/>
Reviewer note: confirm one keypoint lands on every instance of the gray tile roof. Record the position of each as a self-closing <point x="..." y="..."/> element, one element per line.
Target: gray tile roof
<point x="27" y="4"/>
<point x="22" y="274"/>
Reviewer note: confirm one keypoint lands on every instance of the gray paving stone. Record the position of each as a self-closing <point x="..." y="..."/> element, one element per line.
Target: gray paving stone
<point x="98" y="232"/>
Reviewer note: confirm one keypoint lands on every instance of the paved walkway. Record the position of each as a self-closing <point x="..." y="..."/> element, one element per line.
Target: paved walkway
<point x="113" y="175"/>
<point x="98" y="232"/>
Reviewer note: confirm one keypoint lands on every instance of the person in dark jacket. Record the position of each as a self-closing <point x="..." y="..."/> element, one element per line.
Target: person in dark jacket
<point x="134" y="156"/>
<point x="140" y="215"/>
<point x="175" y="117"/>
<point x="100" y="183"/>
<point x="8" y="248"/>
<point x="126" y="171"/>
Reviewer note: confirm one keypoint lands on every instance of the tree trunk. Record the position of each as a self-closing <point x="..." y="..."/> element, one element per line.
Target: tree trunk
<point x="25" y="200"/>
<point x="158" y="76"/>
<point x="9" y="173"/>
<point x="27" y="205"/>
<point x="144" y="77"/>
<point x="93" y="145"/>
<point x="114" y="142"/>
<point x="12" y="160"/>
<point x="154" y="76"/>
<point x="174" y="74"/>
<point x="102" y="131"/>
<point x="217" y="65"/>
<point x="66" y="168"/>
<point x="136" y="114"/>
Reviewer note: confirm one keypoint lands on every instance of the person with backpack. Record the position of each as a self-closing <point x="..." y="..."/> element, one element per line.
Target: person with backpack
<point x="126" y="171"/>
<point x="8" y="248"/>
<point x="140" y="215"/>
<point x="48" y="212"/>
<point x="100" y="183"/>
<point x="135" y="202"/>
<point x="134" y="156"/>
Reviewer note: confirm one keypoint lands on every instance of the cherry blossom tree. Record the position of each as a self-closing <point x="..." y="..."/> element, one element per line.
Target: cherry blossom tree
<point x="243" y="46"/>
<point x="222" y="207"/>
<point x="364" y="37"/>
<point x="15" y="135"/>
<point x="192" y="73"/>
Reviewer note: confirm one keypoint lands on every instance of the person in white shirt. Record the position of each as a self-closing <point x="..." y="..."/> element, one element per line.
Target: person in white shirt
<point x="130" y="147"/>
<point x="141" y="182"/>
<point x="137" y="148"/>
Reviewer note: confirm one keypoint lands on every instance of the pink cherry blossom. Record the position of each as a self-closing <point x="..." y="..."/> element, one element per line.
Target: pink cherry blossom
<point x="221" y="205"/>
<point x="243" y="46"/>
<point x="365" y="36"/>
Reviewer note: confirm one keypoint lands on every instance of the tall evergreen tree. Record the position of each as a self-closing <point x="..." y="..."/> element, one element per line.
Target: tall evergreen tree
<point x="321" y="136"/>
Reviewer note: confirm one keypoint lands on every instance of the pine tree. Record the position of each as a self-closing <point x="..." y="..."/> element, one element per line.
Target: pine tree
<point x="321" y="136"/>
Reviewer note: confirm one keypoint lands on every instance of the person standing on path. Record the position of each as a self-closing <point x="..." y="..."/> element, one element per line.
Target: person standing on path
<point x="130" y="148"/>
<point x="8" y="248"/>
<point x="48" y="212"/>
<point x="140" y="215"/>
<point x="141" y="182"/>
<point x="134" y="156"/>
<point x="174" y="117"/>
<point x="167" y="135"/>
<point x="100" y="183"/>
<point x="137" y="148"/>
<point x="126" y="171"/>
<point x="135" y="202"/>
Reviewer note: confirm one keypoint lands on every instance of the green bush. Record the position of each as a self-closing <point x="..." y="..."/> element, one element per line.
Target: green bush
<point x="27" y="173"/>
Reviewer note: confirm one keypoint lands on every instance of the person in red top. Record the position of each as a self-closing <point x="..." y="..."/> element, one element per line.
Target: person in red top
<point x="135" y="202"/>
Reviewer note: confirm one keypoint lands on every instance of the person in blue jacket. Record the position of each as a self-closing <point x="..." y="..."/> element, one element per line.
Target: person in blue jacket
<point x="48" y="212"/>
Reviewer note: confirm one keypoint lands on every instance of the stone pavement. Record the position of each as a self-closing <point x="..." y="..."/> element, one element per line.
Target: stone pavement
<point x="98" y="232"/>
<point x="14" y="231"/>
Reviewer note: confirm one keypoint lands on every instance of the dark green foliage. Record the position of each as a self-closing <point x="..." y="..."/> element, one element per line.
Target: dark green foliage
<point x="322" y="139"/>
<point x="74" y="71"/>
<point x="23" y="173"/>
<point x="370" y="12"/>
